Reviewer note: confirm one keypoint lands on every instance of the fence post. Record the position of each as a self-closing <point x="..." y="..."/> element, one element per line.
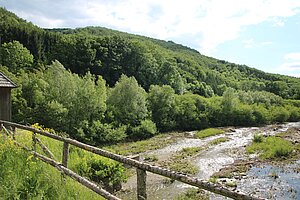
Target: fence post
<point x="65" y="154"/>
<point x="141" y="184"/>
<point x="14" y="132"/>
<point x="34" y="142"/>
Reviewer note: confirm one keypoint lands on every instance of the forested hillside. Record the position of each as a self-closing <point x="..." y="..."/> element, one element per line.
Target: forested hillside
<point x="103" y="86"/>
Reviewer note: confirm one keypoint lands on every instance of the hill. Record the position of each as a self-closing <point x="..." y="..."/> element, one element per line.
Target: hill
<point x="103" y="86"/>
<point x="111" y="53"/>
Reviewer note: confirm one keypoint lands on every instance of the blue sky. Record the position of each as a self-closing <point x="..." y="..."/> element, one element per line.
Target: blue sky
<point x="263" y="34"/>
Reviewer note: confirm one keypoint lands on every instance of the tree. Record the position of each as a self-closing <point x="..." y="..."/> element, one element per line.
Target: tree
<point x="161" y="101"/>
<point x="191" y="112"/>
<point x="15" y="56"/>
<point x="169" y="75"/>
<point x="127" y="102"/>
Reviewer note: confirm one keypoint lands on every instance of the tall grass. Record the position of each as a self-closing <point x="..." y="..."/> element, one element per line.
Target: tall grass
<point x="271" y="147"/>
<point x="24" y="177"/>
<point x="208" y="132"/>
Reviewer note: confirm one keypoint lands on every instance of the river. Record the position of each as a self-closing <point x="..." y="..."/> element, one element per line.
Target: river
<point x="215" y="157"/>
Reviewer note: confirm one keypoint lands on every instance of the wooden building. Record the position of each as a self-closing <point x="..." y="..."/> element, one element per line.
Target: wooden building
<point x="5" y="97"/>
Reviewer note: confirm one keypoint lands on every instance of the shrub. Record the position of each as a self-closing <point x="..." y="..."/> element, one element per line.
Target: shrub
<point x="146" y="129"/>
<point x="208" y="132"/>
<point x="294" y="113"/>
<point x="98" y="133"/>
<point x="280" y="114"/>
<point x="272" y="147"/>
<point x="102" y="170"/>
<point x="257" y="138"/>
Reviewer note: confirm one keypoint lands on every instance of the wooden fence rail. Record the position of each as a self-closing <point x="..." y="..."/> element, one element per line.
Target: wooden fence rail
<point x="142" y="167"/>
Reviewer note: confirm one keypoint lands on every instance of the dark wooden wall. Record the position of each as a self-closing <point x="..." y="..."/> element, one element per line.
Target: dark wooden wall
<point x="5" y="104"/>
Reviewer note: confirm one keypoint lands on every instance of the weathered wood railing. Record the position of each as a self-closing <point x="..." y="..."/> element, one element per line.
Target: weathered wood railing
<point x="141" y="167"/>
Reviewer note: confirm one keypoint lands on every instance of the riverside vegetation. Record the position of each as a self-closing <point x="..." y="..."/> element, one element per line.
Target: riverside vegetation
<point x="25" y="177"/>
<point x="105" y="87"/>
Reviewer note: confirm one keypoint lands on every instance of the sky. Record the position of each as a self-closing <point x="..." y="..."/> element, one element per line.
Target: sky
<point x="263" y="34"/>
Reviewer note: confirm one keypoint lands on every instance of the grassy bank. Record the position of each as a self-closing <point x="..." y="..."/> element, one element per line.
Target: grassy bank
<point x="24" y="177"/>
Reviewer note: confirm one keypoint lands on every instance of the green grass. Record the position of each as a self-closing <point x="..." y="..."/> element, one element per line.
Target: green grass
<point x="187" y="152"/>
<point x="150" y="158"/>
<point x="219" y="141"/>
<point x="183" y="166"/>
<point x="271" y="147"/>
<point x="24" y="177"/>
<point x="131" y="148"/>
<point x="208" y="132"/>
<point x="194" y="194"/>
<point x="180" y="161"/>
<point x="258" y="138"/>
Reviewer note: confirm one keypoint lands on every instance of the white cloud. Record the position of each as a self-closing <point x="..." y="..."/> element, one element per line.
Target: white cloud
<point x="292" y="56"/>
<point x="208" y="23"/>
<point x="277" y="22"/>
<point x="250" y="43"/>
<point x="292" y="64"/>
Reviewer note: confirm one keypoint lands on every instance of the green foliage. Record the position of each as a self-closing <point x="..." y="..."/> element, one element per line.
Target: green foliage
<point x="98" y="133"/>
<point x="219" y="140"/>
<point x="102" y="170"/>
<point x="194" y="194"/>
<point x="178" y="80"/>
<point x="180" y="161"/>
<point x="23" y="177"/>
<point x="59" y="99"/>
<point x="208" y="132"/>
<point x="161" y="101"/>
<point x="183" y="167"/>
<point x="112" y="53"/>
<point x="257" y="138"/>
<point x="191" y="112"/>
<point x="132" y="148"/>
<point x="188" y="152"/>
<point x="150" y="158"/>
<point x="146" y="129"/>
<point x="15" y="56"/>
<point x="279" y="114"/>
<point x="271" y="147"/>
<point x="127" y="102"/>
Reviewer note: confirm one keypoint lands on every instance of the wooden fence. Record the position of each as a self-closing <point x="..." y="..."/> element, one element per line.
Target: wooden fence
<point x="141" y="167"/>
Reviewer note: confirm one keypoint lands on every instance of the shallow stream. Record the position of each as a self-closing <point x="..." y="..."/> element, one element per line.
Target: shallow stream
<point x="257" y="181"/>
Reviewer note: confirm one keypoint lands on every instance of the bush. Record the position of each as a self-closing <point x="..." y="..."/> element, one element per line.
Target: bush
<point x="280" y="114"/>
<point x="257" y="138"/>
<point x="294" y="113"/>
<point x="102" y="170"/>
<point x="272" y="147"/>
<point x="98" y="133"/>
<point x="208" y="132"/>
<point x="146" y="129"/>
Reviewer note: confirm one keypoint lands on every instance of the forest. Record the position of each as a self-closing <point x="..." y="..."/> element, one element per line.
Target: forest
<point x="102" y="86"/>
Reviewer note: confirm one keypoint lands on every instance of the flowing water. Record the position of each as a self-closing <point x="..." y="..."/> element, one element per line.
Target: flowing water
<point x="215" y="157"/>
<point x="273" y="182"/>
